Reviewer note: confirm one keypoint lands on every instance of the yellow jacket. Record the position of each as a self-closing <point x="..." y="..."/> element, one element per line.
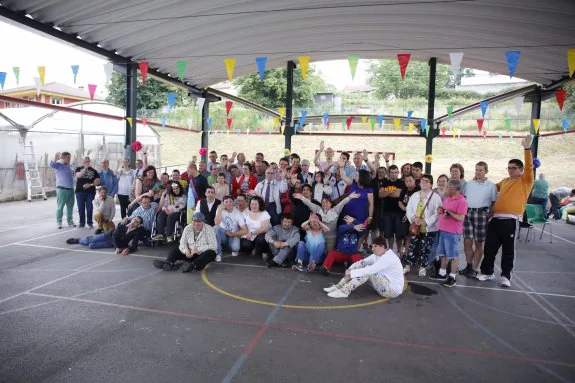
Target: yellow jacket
<point x="513" y="193"/>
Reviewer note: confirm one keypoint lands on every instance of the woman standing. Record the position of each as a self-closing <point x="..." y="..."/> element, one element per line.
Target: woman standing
<point x="245" y="182"/>
<point x="405" y="170"/>
<point x="87" y="178"/>
<point x="360" y="208"/>
<point x="143" y="185"/>
<point x="125" y="181"/>
<point x="172" y="203"/>
<point x="441" y="188"/>
<point x="258" y="224"/>
<point x="320" y="186"/>
<point x="221" y="187"/>
<point x="458" y="173"/>
<point x="422" y="211"/>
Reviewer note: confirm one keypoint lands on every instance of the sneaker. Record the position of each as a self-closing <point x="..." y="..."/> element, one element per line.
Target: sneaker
<point x="164" y="265"/>
<point x="435" y="276"/>
<point x="59" y="225"/>
<point x="218" y="258"/>
<point x="71" y="224"/>
<point x="324" y="271"/>
<point x="158" y="237"/>
<point x="170" y="239"/>
<point x="234" y="253"/>
<point x="466" y="271"/>
<point x="298" y="267"/>
<point x="406" y="269"/>
<point x="271" y="264"/>
<point x="265" y="256"/>
<point x="73" y="241"/>
<point x="330" y="289"/>
<point x="90" y="226"/>
<point x="450" y="282"/>
<point x="187" y="267"/>
<point x="81" y="226"/>
<point x="422" y="272"/>
<point x="472" y="274"/>
<point x="99" y="231"/>
<point x="311" y="267"/>
<point x="485" y="277"/>
<point x="505" y="282"/>
<point x="337" y="294"/>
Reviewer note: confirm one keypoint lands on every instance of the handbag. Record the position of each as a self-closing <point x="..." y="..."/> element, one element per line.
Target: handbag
<point x="414" y="228"/>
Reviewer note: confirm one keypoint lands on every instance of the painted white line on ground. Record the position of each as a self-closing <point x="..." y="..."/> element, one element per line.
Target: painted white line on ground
<point x="33" y="239"/>
<point x="556" y="236"/>
<point x="88" y="251"/>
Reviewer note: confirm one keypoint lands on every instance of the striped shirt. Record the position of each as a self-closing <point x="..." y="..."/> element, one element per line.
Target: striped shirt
<point x="202" y="241"/>
<point x="148" y="215"/>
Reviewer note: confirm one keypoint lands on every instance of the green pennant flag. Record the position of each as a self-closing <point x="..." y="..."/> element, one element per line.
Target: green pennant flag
<point x="16" y="71"/>
<point x="500" y="136"/>
<point x="181" y="68"/>
<point x="510" y="135"/>
<point x="449" y="110"/>
<point x="372" y="123"/>
<point x="343" y="124"/>
<point x="353" y="60"/>
<point x="508" y="124"/>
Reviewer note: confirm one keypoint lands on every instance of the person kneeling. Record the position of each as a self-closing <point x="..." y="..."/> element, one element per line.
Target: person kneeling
<point x="197" y="248"/>
<point x="124" y="238"/>
<point x="382" y="269"/>
<point x="283" y="240"/>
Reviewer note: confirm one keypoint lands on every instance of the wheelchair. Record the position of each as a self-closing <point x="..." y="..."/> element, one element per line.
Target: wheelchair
<point x="179" y="226"/>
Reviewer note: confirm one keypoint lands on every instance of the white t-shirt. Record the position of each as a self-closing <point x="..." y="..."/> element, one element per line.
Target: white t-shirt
<point x="232" y="221"/>
<point x="255" y="225"/>
<point x="388" y="264"/>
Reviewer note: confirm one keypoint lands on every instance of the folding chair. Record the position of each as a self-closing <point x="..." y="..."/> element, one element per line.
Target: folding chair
<point x="536" y="216"/>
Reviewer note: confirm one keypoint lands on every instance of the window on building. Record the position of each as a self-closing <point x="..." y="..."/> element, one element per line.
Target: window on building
<point x="7" y="104"/>
<point x="56" y="101"/>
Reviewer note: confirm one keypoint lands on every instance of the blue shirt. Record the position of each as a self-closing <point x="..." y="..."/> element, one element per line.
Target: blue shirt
<point x="148" y="216"/>
<point x="110" y="181"/>
<point x="64" y="174"/>
<point x="347" y="239"/>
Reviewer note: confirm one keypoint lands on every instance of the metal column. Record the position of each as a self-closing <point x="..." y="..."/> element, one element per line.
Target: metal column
<point x="430" y="112"/>
<point x="131" y="107"/>
<point x="205" y="132"/>
<point x="535" y="114"/>
<point x="288" y="130"/>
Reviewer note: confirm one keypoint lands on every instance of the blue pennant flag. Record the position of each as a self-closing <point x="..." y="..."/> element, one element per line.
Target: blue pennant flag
<point x="565" y="125"/>
<point x="512" y="61"/>
<point x="209" y="122"/>
<point x="423" y="125"/>
<point x="2" y="79"/>
<point x="409" y="113"/>
<point x="380" y="120"/>
<point x="163" y="122"/>
<point x="261" y="62"/>
<point x="75" y="69"/>
<point x="302" y="118"/>
<point x="484" y="105"/>
<point x="171" y="100"/>
<point x="325" y="118"/>
<point x="295" y="127"/>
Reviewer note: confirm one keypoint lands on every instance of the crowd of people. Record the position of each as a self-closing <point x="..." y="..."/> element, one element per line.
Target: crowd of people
<point x="352" y="210"/>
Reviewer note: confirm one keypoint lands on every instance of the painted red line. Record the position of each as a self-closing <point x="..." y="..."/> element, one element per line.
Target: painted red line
<point x="263" y="328"/>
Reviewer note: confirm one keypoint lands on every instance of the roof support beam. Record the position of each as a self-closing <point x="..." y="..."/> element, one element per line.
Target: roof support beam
<point x="430" y="113"/>
<point x="535" y="114"/>
<point x="131" y="109"/>
<point x="288" y="129"/>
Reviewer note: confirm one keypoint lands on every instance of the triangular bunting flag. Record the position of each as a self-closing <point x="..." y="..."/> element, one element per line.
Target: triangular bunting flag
<point x="276" y="122"/>
<point x="352" y="60"/>
<point x="189" y="122"/>
<point x="38" y="84"/>
<point x="484" y="105"/>
<point x="295" y="128"/>
<point x="410" y="127"/>
<point x="92" y="90"/>
<point x="108" y="69"/>
<point x="380" y="120"/>
<point x="443" y="129"/>
<point x="518" y="104"/>
<point x="144" y="121"/>
<point x="75" y="70"/>
<point x="2" y="79"/>
<point x="302" y="118"/>
<point x="571" y="61"/>
<point x="403" y="59"/>
<point x="209" y="122"/>
<point x="201" y="102"/>
<point x="508" y="124"/>
<point x="454" y="132"/>
<point x="449" y="110"/>
<point x="229" y="120"/>
<point x="458" y="132"/>
<point x="261" y="63"/>
<point x="363" y="119"/>
<point x="282" y="112"/>
<point x="129" y="119"/>
<point x="164" y="120"/>
<point x="229" y="105"/>
<point x="397" y="123"/>
<point x="455" y="58"/>
<point x="512" y="61"/>
<point x="42" y="74"/>
<point x="144" y="66"/>
<point x="348" y="122"/>
<point x="480" y="124"/>
<point x="565" y="124"/>
<point x="171" y="100"/>
<point x="181" y="65"/>
<point x="372" y="123"/>
<point x="238" y="131"/>
<point x="484" y="134"/>
<point x="536" y="125"/>
<point x="230" y="64"/>
<point x="560" y="95"/>
<point x="423" y="124"/>
<point x="325" y="118"/>
<point x="304" y="65"/>
<point x="343" y="124"/>
<point x="16" y="70"/>
<point x="409" y="114"/>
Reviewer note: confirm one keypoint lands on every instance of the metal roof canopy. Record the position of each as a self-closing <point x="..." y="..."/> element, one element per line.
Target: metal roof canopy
<point x="204" y="32"/>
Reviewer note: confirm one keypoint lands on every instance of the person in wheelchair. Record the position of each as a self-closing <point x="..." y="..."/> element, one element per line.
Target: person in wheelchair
<point x="172" y="204"/>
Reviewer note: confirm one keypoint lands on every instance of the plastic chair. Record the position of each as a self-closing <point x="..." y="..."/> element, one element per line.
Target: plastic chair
<point x="536" y="216"/>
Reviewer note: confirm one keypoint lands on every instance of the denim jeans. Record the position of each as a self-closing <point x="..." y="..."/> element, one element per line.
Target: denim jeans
<point x="305" y="255"/>
<point x="233" y="243"/>
<point x="542" y="202"/>
<point x="99" y="241"/>
<point x="85" y="207"/>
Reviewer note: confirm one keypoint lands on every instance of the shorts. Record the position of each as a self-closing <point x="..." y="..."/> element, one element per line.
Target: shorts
<point x="393" y="225"/>
<point x="448" y="245"/>
<point x="475" y="224"/>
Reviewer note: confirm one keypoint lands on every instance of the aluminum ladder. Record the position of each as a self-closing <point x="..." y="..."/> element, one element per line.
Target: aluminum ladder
<point x="33" y="179"/>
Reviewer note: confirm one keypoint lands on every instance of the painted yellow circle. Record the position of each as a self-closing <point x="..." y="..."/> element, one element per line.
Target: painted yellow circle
<point x="238" y="297"/>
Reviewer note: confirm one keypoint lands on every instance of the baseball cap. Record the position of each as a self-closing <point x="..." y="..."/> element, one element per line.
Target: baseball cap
<point x="199" y="217"/>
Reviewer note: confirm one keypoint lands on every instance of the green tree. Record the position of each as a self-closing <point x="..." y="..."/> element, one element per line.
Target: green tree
<point x="271" y="92"/>
<point x="151" y="96"/>
<point x="570" y="99"/>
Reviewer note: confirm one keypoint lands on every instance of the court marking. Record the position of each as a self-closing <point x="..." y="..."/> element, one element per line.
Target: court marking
<point x="557" y="236"/>
<point x="421" y="346"/>
<point x="88" y="251"/>
<point x="33" y="239"/>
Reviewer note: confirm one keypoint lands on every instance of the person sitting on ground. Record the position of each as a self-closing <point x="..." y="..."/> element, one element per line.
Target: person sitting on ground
<point x="124" y="238"/>
<point x="282" y="241"/>
<point x="258" y="223"/>
<point x="147" y="211"/>
<point x="320" y="187"/>
<point x="312" y="250"/>
<point x="347" y="249"/>
<point x="270" y="190"/>
<point x="382" y="269"/>
<point x="245" y="182"/>
<point x="172" y="203"/>
<point x="104" y="210"/>
<point x="209" y="205"/>
<point x="329" y="215"/>
<point x="197" y="248"/>
<point x="230" y="226"/>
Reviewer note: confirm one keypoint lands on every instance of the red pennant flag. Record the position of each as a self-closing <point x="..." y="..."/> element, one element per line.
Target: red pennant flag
<point x="327" y="125"/>
<point x="228" y="107"/>
<point x="480" y="124"/>
<point x="144" y="71"/>
<point x="259" y="130"/>
<point x="229" y="123"/>
<point x="348" y="122"/>
<point x="92" y="90"/>
<point x="560" y="96"/>
<point x="484" y="134"/>
<point x="144" y="121"/>
<point x="443" y="132"/>
<point x="403" y="59"/>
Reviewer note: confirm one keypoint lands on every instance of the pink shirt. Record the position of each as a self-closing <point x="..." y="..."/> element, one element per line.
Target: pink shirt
<point x="448" y="223"/>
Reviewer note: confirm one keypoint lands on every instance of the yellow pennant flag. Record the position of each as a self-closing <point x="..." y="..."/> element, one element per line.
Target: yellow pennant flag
<point x="571" y="61"/>
<point x="129" y="119"/>
<point x="411" y="126"/>
<point x="454" y="132"/>
<point x="282" y="112"/>
<point x="282" y="128"/>
<point x="230" y="66"/>
<point x="42" y="73"/>
<point x="304" y="65"/>
<point x="364" y="120"/>
<point x="227" y="132"/>
<point x="276" y="122"/>
<point x="536" y="125"/>
<point x="397" y="123"/>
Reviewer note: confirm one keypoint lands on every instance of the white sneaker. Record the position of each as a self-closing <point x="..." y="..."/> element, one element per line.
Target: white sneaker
<point x="330" y="289"/>
<point x="422" y="272"/>
<point x="337" y="294"/>
<point x="234" y="253"/>
<point x="485" y="277"/>
<point x="218" y="258"/>
<point x="505" y="282"/>
<point x="265" y="256"/>
<point x="406" y="269"/>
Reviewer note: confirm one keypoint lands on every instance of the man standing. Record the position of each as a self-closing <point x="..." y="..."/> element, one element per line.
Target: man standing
<point x="230" y="226"/>
<point x="259" y="170"/>
<point x="196" y="189"/>
<point x="213" y="177"/>
<point x="417" y="171"/>
<point x="391" y="191"/>
<point x="270" y="190"/>
<point x="213" y="160"/>
<point x="108" y="178"/>
<point x="140" y="165"/>
<point x="105" y="210"/>
<point x="208" y="206"/>
<point x="64" y="188"/>
<point x="305" y="176"/>
<point x="198" y="247"/>
<point x="283" y="240"/>
<point x="323" y="165"/>
<point x="503" y="227"/>
<point x="481" y="194"/>
<point x="87" y="178"/>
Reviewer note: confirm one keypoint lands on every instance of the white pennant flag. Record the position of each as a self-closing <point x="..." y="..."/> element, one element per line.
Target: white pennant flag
<point x="189" y="121"/>
<point x="108" y="69"/>
<point x="450" y="124"/>
<point x="518" y="104"/>
<point x="38" y="85"/>
<point x="455" y="58"/>
<point x="201" y="101"/>
<point x="459" y="133"/>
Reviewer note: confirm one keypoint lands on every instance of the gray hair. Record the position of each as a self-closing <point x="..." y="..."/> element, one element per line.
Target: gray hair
<point x="455" y="184"/>
<point x="305" y="162"/>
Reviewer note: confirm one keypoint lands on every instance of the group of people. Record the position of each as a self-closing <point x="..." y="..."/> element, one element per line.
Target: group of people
<point x="292" y="217"/>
